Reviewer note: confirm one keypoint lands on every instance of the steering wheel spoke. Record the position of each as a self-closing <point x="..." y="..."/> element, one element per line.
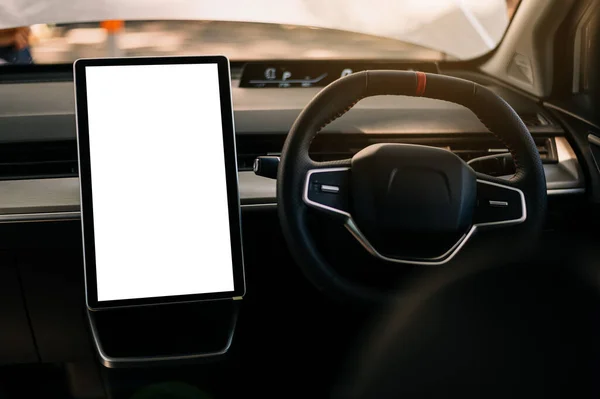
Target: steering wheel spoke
<point x="327" y="188"/>
<point x="498" y="203"/>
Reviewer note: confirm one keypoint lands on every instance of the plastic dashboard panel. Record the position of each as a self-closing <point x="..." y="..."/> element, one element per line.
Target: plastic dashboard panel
<point x="44" y="111"/>
<point x="58" y="199"/>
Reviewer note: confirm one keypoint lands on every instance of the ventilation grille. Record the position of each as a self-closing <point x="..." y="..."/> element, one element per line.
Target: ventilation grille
<point x="533" y="120"/>
<point x="59" y="158"/>
<point x="36" y="160"/>
<point x="326" y="147"/>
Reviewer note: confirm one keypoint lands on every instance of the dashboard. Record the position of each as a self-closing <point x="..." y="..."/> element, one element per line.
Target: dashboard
<point x="267" y="332"/>
<point x="39" y="179"/>
<point x="39" y="182"/>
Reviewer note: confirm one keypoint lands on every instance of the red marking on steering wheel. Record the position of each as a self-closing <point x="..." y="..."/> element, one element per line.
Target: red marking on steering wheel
<point x="421" y="83"/>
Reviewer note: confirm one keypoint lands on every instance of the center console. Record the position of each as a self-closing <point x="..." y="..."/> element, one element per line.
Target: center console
<point x="160" y="207"/>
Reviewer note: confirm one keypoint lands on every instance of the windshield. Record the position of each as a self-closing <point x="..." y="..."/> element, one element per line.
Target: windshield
<point x="260" y="29"/>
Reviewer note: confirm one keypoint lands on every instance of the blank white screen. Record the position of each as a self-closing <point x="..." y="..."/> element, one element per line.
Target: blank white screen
<point x="159" y="192"/>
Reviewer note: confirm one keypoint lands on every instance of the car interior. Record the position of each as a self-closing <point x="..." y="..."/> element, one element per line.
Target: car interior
<point x="412" y="229"/>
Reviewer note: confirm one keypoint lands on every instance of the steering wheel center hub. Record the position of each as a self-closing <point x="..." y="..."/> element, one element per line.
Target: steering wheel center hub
<point x="412" y="188"/>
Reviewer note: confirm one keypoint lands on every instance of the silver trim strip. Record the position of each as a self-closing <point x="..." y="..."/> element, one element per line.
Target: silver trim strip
<point x="566" y="191"/>
<point x="499" y="204"/>
<point x="485" y="157"/>
<point x="351" y="226"/>
<point x="39" y="217"/>
<point x="113" y="362"/>
<point x="259" y="207"/>
<point x="451" y="253"/>
<point x="76" y="215"/>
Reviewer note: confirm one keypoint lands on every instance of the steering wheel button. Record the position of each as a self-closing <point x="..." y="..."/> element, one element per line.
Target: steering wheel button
<point x="497" y="204"/>
<point x="326" y="188"/>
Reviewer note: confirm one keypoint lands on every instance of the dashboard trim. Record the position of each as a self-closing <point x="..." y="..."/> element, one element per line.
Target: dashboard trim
<point x="355" y="231"/>
<point x="39" y="217"/>
<point x="58" y="199"/>
<point x="571" y="114"/>
<point x="566" y="191"/>
<point x="263" y="206"/>
<point x="132" y="361"/>
<point x="593" y="139"/>
<point x="76" y="215"/>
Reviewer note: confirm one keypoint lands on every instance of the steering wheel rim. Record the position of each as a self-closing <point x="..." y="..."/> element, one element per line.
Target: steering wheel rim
<point x="338" y="98"/>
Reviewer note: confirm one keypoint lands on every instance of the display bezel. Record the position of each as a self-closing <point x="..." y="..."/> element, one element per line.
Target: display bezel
<point x="85" y="179"/>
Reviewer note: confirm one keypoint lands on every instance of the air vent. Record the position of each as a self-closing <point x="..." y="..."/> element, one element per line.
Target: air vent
<point x="533" y="120"/>
<point x="326" y="147"/>
<point x="329" y="147"/>
<point x="249" y="147"/>
<point x="35" y="160"/>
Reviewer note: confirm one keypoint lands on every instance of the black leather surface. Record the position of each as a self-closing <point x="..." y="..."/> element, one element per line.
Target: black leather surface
<point x="339" y="97"/>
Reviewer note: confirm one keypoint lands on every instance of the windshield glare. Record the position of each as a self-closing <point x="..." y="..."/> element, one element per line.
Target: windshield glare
<point x="334" y="29"/>
<point x="237" y="40"/>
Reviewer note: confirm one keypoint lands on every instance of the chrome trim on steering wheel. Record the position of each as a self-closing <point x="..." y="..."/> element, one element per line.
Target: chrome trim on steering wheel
<point x="351" y="226"/>
<point x="316" y="204"/>
<point x="439" y="260"/>
<point x="506" y="222"/>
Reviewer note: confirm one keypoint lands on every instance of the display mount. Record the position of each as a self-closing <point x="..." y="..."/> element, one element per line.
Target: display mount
<point x="140" y="337"/>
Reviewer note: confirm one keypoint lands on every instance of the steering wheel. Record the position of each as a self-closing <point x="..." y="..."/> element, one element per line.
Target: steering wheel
<point x="389" y="193"/>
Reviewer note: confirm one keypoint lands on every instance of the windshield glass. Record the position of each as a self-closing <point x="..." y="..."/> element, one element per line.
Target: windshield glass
<point x="261" y="29"/>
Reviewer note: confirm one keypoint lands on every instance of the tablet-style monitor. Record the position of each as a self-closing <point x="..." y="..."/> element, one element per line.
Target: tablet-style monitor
<point x="160" y="206"/>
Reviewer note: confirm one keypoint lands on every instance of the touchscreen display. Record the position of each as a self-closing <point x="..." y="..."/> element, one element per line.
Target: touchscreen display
<point x="158" y="181"/>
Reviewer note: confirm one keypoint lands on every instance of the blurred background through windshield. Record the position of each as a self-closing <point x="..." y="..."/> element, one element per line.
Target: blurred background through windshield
<point x="237" y="40"/>
<point x="402" y="30"/>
